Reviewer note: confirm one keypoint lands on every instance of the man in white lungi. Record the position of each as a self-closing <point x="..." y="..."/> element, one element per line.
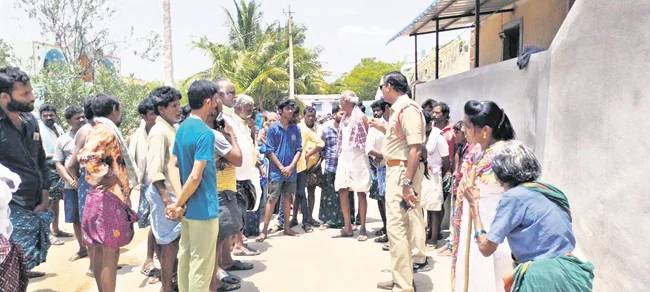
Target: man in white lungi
<point x="353" y="172"/>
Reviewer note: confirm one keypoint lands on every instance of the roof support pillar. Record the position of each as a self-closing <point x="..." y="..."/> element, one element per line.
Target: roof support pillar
<point x="437" y="47"/>
<point x="416" y="58"/>
<point x="477" y="33"/>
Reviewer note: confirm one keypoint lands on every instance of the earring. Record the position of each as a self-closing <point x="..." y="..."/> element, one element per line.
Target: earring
<point x="484" y="135"/>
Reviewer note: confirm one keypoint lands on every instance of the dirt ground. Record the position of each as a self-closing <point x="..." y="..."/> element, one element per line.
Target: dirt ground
<point x="313" y="262"/>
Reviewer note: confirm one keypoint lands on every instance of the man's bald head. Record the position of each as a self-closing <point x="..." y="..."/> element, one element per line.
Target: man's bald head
<point x="272" y="117"/>
<point x="226" y="91"/>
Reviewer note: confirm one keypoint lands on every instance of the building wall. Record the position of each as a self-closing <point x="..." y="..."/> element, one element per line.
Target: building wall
<point x="541" y="19"/>
<point x="454" y="59"/>
<point x="583" y="106"/>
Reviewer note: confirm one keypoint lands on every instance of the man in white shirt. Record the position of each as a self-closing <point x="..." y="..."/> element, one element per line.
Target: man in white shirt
<point x="381" y="112"/>
<point x="235" y="109"/>
<point x="437" y="164"/>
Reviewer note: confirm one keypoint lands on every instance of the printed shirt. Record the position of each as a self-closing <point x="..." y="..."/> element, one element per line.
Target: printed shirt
<point x="160" y="143"/>
<point x="358" y="133"/>
<point x="23" y="153"/>
<point x="310" y="140"/>
<point x="285" y="143"/>
<point x="375" y="141"/>
<point x="195" y="141"/>
<point x="64" y="148"/>
<point x="409" y="131"/>
<point x="102" y="153"/>
<point x="329" y="135"/>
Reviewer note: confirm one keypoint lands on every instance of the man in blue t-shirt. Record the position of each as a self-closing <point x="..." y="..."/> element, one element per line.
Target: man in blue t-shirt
<point x="192" y="173"/>
<point x="283" y="145"/>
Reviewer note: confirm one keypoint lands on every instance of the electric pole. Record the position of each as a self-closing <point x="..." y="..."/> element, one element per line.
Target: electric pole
<point x="289" y="13"/>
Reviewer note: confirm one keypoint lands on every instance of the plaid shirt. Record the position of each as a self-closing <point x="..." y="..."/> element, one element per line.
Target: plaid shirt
<point x="359" y="133"/>
<point x="330" y="136"/>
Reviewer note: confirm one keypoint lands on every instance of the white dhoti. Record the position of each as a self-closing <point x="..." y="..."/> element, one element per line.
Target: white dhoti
<point x="431" y="198"/>
<point x="353" y="171"/>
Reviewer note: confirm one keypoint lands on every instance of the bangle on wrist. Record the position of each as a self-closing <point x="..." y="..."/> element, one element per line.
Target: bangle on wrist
<point x="477" y="233"/>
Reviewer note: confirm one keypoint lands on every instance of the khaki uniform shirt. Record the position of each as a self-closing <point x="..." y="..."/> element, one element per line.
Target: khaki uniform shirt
<point x="411" y="129"/>
<point x="161" y="143"/>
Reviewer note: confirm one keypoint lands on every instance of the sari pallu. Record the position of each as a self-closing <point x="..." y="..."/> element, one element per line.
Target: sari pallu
<point x="107" y="220"/>
<point x="561" y="274"/>
<point x="32" y="232"/>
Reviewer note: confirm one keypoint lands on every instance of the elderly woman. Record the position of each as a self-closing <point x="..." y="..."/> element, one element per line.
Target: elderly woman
<point x="536" y="219"/>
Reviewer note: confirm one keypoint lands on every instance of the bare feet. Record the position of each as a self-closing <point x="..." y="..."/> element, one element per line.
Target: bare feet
<point x="442" y="249"/>
<point x="262" y="237"/>
<point x="446" y="253"/>
<point x="323" y="227"/>
<point x="289" y="232"/>
<point x="79" y="255"/>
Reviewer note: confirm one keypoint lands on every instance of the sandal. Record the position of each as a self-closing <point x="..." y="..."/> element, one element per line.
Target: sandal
<point x="155" y="278"/>
<point x="239" y="266"/>
<point x="224" y="277"/>
<point x="362" y="236"/>
<point x="228" y="287"/>
<point x="382" y="239"/>
<point x="62" y="234"/>
<point x="314" y="223"/>
<point x="307" y="228"/>
<point x="323" y="227"/>
<point x="380" y="232"/>
<point x="247" y="252"/>
<point x="148" y="272"/>
<point x="32" y="274"/>
<point x="385" y="247"/>
<point x="55" y="241"/>
<point x="343" y="234"/>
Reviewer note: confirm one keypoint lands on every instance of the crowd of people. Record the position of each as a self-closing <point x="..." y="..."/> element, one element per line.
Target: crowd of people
<point x="208" y="175"/>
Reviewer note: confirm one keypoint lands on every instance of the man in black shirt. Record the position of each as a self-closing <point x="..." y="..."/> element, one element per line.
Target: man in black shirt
<point x="22" y="152"/>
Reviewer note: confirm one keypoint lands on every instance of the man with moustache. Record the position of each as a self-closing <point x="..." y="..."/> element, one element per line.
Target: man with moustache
<point x="50" y="131"/>
<point x="23" y="153"/>
<point x="74" y="116"/>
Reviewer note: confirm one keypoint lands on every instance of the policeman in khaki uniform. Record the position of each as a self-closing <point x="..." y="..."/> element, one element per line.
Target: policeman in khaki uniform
<point x="405" y="134"/>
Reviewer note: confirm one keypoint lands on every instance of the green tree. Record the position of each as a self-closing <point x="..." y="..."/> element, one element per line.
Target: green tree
<point x="60" y="86"/>
<point x="365" y="77"/>
<point x="6" y="53"/>
<point x="258" y="63"/>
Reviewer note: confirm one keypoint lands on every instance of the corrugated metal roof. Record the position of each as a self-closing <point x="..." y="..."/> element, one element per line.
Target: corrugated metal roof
<point x="447" y="11"/>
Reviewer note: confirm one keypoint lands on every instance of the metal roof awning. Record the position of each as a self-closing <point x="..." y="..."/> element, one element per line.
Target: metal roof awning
<point x="451" y="14"/>
<point x="445" y="15"/>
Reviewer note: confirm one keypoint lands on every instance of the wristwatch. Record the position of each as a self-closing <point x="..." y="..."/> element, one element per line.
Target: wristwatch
<point x="407" y="182"/>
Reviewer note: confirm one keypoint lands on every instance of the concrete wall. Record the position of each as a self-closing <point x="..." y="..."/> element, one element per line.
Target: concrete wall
<point x="584" y="107"/>
<point x="521" y="93"/>
<point x="541" y="19"/>
<point x="597" y="144"/>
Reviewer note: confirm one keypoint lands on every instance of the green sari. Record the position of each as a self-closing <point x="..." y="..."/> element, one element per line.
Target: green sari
<point x="565" y="273"/>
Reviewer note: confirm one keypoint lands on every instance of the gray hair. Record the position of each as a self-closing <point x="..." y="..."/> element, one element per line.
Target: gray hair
<point x="514" y="163"/>
<point x="350" y="97"/>
<point x="243" y="100"/>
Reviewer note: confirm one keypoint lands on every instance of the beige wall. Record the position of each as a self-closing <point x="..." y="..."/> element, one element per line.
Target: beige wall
<point x="541" y="19"/>
<point x="454" y="57"/>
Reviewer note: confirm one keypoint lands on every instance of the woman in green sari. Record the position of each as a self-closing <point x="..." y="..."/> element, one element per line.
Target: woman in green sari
<point x="536" y="219"/>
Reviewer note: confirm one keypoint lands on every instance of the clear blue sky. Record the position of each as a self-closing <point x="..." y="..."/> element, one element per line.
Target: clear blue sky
<point x="348" y="30"/>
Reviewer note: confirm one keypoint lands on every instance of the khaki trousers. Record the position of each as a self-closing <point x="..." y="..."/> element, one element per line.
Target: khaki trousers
<point x="405" y="229"/>
<point x="196" y="254"/>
